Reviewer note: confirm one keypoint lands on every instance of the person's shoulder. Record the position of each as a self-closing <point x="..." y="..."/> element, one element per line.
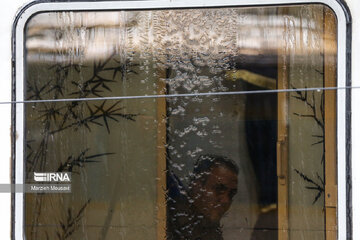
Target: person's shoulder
<point x="175" y="188"/>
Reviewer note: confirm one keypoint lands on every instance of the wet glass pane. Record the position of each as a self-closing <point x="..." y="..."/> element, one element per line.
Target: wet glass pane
<point x="181" y="124"/>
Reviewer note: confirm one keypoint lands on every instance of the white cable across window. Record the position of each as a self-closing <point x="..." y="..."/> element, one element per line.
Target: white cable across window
<point x="207" y="94"/>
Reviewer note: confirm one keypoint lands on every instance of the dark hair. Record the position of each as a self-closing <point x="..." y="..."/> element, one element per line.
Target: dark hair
<point x="205" y="163"/>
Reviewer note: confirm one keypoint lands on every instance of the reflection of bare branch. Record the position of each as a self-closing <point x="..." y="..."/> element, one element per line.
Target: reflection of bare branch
<point x="97" y="84"/>
<point x="320" y="139"/>
<point x="56" y="117"/>
<point x="72" y="223"/>
<point x="61" y="75"/>
<point x="322" y="109"/>
<point x="319" y="72"/>
<point x="50" y="113"/>
<point x="122" y="68"/>
<point x="37" y="92"/>
<point x="70" y="114"/>
<point x="96" y="81"/>
<point x="303" y="96"/>
<point x="101" y="112"/>
<point x="79" y="161"/>
<point x="315" y="186"/>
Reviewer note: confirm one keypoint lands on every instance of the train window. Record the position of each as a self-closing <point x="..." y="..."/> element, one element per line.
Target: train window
<point x="181" y="123"/>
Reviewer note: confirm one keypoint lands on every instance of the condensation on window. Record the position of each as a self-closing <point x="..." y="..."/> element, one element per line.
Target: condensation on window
<point x="216" y="153"/>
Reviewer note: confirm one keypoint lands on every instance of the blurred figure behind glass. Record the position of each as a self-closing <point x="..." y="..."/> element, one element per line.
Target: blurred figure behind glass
<point x="195" y="213"/>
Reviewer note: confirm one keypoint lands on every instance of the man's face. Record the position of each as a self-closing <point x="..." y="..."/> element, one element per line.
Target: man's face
<point x="213" y="197"/>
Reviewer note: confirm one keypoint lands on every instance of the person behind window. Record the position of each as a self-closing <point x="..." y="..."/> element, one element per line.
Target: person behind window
<point x="195" y="213"/>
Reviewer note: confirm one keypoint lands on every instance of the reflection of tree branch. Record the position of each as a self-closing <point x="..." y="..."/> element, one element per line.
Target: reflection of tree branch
<point x="122" y="68"/>
<point x="320" y="139"/>
<point x="50" y="113"/>
<point x="57" y="117"/>
<point x="319" y="72"/>
<point x="322" y="109"/>
<point x="61" y="75"/>
<point x="72" y="223"/>
<point x="101" y="112"/>
<point x="318" y="142"/>
<point x="97" y="84"/>
<point x="79" y="161"/>
<point x="36" y="91"/>
<point x="303" y="96"/>
<point x="317" y="187"/>
<point x="30" y="151"/>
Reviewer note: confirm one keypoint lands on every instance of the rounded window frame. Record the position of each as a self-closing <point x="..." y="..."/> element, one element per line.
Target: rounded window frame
<point x="343" y="83"/>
